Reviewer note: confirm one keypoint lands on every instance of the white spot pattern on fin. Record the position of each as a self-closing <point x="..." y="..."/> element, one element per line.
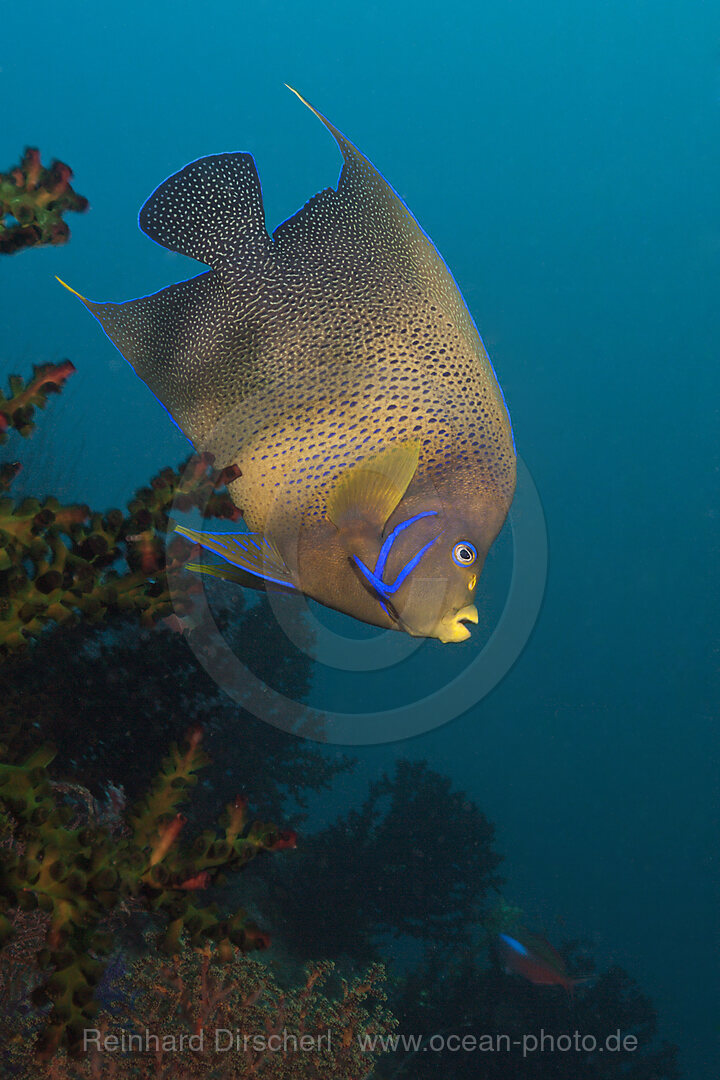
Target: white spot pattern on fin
<point x="210" y="210"/>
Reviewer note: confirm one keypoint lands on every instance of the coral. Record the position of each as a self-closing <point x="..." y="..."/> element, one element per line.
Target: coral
<point x="8" y="472"/>
<point x="59" y="564"/>
<point x="33" y="200"/>
<point x="297" y="1033"/>
<point x="412" y="828"/>
<point x="16" y="410"/>
<point x="81" y="870"/>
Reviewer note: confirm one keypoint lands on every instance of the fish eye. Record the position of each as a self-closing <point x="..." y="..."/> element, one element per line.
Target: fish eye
<point x="464" y="554"/>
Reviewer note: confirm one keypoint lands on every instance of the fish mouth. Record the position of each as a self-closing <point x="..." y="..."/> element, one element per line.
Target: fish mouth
<point x="453" y="628"/>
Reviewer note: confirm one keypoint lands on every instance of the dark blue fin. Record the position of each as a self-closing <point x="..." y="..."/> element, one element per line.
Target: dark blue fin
<point x="212" y="210"/>
<point x="171" y="338"/>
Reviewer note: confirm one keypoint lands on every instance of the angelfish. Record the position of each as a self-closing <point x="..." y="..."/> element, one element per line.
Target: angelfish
<point x="336" y="366"/>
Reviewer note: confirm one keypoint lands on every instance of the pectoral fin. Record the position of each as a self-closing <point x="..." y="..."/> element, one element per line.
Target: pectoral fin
<point x="369" y="492"/>
<point x="250" y="553"/>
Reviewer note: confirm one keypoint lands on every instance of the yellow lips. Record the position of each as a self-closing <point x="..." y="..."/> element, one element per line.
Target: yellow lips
<point x="453" y="628"/>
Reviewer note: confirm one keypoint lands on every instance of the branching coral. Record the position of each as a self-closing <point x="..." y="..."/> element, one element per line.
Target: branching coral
<point x="17" y="409"/>
<point x="32" y="202"/>
<point x="82" y="873"/>
<point x="198" y="1018"/>
<point x="62" y="563"/>
<point x="253" y="1027"/>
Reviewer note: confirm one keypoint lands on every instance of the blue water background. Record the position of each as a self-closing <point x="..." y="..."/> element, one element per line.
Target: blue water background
<point x="565" y="159"/>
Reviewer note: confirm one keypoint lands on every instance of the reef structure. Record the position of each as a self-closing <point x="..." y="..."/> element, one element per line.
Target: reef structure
<point x="33" y="200"/>
<point x="62" y="563"/>
<point x="86" y="871"/>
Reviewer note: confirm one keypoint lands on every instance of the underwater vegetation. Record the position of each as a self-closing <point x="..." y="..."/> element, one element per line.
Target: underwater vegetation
<point x="18" y="408"/>
<point x="471" y="996"/>
<point x="128" y="672"/>
<point x="82" y="869"/>
<point x="33" y="200"/>
<point x="62" y="563"/>
<point x="416" y="863"/>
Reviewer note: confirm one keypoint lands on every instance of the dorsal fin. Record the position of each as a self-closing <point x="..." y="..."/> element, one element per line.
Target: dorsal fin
<point x="363" y="213"/>
<point x="363" y="228"/>
<point x="211" y="210"/>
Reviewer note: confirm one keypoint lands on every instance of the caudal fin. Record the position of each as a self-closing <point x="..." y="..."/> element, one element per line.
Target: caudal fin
<point x="212" y="210"/>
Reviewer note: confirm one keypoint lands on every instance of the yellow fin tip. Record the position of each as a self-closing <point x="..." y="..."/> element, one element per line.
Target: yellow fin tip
<point x="69" y="289"/>
<point x="299" y="96"/>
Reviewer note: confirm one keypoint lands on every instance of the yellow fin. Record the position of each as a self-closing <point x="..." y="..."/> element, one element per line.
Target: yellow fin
<point x="371" y="490"/>
<point x="250" y="552"/>
<point x="239" y="577"/>
<point x="232" y="573"/>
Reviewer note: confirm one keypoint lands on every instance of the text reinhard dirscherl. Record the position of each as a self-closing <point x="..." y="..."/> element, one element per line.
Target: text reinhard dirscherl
<point x="219" y="1040"/>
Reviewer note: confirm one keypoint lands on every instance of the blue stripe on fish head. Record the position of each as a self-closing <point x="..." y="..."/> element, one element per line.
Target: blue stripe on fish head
<point x="377" y="577"/>
<point x="428" y="566"/>
<point x="390" y="540"/>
